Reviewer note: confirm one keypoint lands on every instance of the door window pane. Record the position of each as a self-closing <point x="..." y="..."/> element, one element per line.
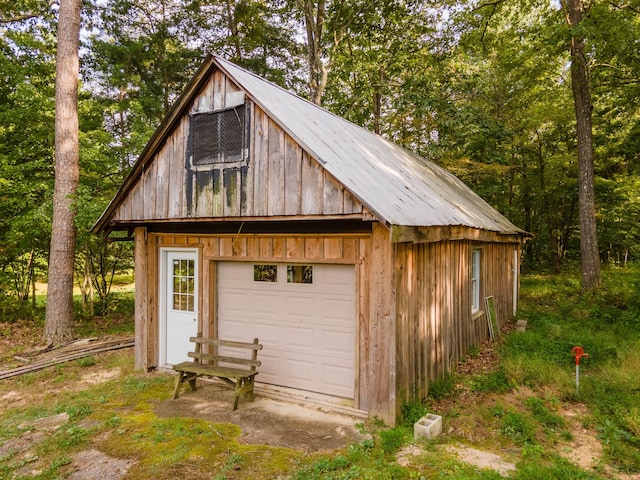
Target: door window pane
<point x="183" y="285"/>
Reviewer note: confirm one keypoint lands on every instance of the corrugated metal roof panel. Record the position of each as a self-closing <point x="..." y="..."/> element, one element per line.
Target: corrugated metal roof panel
<point x="397" y="185"/>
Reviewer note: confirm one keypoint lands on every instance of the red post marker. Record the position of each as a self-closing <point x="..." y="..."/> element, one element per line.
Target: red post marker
<point x="578" y="353"/>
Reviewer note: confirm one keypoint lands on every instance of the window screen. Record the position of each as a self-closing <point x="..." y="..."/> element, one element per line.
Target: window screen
<point x="218" y="137"/>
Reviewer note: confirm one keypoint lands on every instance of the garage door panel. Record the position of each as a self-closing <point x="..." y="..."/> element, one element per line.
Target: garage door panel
<point x="233" y="302"/>
<point x="264" y="303"/>
<point x="300" y="306"/>
<point x="337" y="343"/>
<point x="301" y="337"/>
<point x="307" y="330"/>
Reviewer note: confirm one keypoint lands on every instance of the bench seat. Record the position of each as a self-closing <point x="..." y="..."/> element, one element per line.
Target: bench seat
<point x="242" y="378"/>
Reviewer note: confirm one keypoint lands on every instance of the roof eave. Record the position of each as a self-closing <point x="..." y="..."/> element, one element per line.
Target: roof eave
<point x="157" y="139"/>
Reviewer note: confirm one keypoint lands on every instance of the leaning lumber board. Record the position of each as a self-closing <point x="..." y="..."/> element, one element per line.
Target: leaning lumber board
<point x="42" y="364"/>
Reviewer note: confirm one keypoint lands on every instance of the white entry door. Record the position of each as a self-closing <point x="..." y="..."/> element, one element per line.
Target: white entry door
<point x="303" y="315"/>
<point x="180" y="284"/>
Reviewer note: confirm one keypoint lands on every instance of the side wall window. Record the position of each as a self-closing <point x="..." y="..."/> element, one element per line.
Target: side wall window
<point x="475" y="280"/>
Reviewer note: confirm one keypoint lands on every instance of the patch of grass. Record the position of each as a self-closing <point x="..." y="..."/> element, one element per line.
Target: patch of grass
<point x="519" y="428"/>
<point x="391" y="440"/>
<point x="493" y="382"/>
<point x="412" y="412"/>
<point x="543" y="414"/>
<point x="442" y="388"/>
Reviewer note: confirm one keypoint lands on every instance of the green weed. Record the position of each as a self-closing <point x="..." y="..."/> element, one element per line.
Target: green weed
<point x="519" y="428"/>
<point x="442" y="388"/>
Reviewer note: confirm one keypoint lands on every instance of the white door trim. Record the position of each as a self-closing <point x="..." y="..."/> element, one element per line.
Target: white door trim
<point x="162" y="296"/>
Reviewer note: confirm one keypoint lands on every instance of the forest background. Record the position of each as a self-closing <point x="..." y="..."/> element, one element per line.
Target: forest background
<point x="481" y="88"/>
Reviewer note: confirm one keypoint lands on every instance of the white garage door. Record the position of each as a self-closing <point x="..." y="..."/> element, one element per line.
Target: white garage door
<point x="304" y="316"/>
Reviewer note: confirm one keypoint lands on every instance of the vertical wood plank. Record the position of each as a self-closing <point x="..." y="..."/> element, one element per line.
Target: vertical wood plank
<point x="332" y="247"/>
<point x="218" y="90"/>
<point x="239" y="246"/>
<point x="279" y="247"/>
<point x="382" y="373"/>
<point x="175" y="167"/>
<point x="247" y="173"/>
<point x="226" y="247"/>
<point x="203" y="193"/>
<point x="161" y="161"/>
<point x="313" y="248"/>
<point x="141" y="298"/>
<point x="351" y="204"/>
<point x="292" y="177"/>
<point x="312" y="186"/>
<point x="266" y="247"/>
<point x="295" y="247"/>
<point x="276" y="170"/>
<point x="332" y="196"/>
<point x="232" y="189"/>
<point x="261" y="163"/>
<point x="350" y="249"/>
<point x="363" y="344"/>
<point x="253" y="247"/>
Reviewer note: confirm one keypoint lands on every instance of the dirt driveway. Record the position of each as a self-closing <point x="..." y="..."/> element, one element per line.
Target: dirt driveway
<point x="267" y="420"/>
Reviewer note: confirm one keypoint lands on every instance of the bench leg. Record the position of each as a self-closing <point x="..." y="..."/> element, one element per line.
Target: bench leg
<point x="250" y="390"/>
<point x="176" y="390"/>
<point x="192" y="383"/>
<point x="237" y="392"/>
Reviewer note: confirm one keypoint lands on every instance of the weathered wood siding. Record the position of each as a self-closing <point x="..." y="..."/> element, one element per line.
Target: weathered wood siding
<point x="413" y="310"/>
<point x="280" y="178"/>
<point x="373" y="316"/>
<point x="435" y="326"/>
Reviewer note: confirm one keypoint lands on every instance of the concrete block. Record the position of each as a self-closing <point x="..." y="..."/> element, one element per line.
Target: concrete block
<point x="429" y="426"/>
<point x="521" y="325"/>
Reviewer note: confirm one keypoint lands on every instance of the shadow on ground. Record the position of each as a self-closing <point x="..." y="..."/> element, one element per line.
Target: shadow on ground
<point x="267" y="420"/>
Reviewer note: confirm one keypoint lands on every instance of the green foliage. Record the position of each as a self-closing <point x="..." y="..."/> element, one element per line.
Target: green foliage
<point x="442" y="388"/>
<point x="519" y="428"/>
<point x="391" y="440"/>
<point x="412" y="412"/>
<point x="495" y="381"/>
<point x="543" y="414"/>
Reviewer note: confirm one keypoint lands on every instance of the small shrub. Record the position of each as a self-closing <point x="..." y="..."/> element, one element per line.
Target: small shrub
<point x="440" y="389"/>
<point x="493" y="382"/>
<point x="542" y="414"/>
<point x="412" y="412"/>
<point x="391" y="440"/>
<point x="519" y="428"/>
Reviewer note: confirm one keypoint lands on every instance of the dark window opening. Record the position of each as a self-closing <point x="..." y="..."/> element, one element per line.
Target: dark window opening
<point x="218" y="137"/>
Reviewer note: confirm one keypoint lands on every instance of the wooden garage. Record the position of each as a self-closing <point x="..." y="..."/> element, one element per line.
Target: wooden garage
<point x="361" y="267"/>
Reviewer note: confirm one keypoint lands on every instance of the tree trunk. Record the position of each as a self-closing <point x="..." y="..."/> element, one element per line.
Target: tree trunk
<point x="586" y="193"/>
<point x="314" y="25"/>
<point x="59" y="317"/>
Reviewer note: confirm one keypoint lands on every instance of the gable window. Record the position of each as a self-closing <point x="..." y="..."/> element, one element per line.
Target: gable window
<point x="219" y="137"/>
<point x="475" y="281"/>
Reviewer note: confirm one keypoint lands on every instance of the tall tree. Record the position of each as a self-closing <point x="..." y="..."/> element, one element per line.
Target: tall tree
<point x="59" y="315"/>
<point x="575" y="10"/>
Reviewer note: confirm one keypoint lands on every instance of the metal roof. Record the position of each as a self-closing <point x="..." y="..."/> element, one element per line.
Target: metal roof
<point x="400" y="187"/>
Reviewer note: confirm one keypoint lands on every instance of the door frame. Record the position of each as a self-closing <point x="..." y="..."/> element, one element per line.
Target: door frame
<point x="162" y="296"/>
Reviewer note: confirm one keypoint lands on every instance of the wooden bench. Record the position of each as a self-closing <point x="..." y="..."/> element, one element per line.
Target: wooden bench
<point x="234" y="370"/>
